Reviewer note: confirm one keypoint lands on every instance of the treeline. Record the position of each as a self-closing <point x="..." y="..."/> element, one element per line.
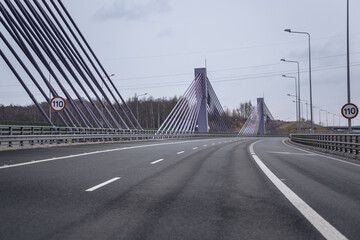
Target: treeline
<point x="150" y="112"/>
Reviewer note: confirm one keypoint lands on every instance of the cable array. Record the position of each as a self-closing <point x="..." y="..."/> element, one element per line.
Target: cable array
<point x="44" y="34"/>
<point x="184" y="116"/>
<point x="260" y="121"/>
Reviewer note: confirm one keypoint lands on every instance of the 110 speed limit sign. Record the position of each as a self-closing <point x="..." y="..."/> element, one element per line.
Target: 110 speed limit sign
<point x="349" y="111"/>
<point x="57" y="104"/>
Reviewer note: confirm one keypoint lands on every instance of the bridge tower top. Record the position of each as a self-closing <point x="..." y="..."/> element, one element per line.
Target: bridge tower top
<point x="203" y="120"/>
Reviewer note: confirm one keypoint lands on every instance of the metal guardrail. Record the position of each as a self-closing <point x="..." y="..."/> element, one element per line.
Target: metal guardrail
<point x="343" y="144"/>
<point x="48" y="130"/>
<point x="20" y="136"/>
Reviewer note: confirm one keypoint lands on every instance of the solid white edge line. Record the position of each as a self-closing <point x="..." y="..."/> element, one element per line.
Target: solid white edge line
<point x="321" y="155"/>
<point x="30" y="162"/>
<point x="102" y="184"/>
<point x="157" y="161"/>
<point x="323" y="226"/>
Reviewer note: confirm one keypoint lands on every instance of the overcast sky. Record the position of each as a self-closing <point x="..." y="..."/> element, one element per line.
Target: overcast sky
<point x="153" y="46"/>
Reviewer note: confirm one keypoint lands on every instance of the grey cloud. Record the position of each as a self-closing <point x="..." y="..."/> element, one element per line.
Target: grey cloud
<point x="164" y="33"/>
<point x="134" y="9"/>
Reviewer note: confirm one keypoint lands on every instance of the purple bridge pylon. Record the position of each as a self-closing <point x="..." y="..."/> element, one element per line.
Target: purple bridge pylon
<point x="198" y="110"/>
<point x="260" y="121"/>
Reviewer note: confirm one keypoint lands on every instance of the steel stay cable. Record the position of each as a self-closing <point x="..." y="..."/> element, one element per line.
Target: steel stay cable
<point x="35" y="31"/>
<point x="53" y="43"/>
<point x="67" y="51"/>
<point x="251" y="123"/>
<point x="71" y="50"/>
<point x="31" y="43"/>
<point x="21" y="44"/>
<point x="75" y="58"/>
<point x="95" y="57"/>
<point x="195" y="112"/>
<point x="215" y="113"/>
<point x="25" y="87"/>
<point x="188" y="111"/>
<point x="180" y="111"/>
<point x="173" y="112"/>
<point x="218" y="107"/>
<point x="31" y="76"/>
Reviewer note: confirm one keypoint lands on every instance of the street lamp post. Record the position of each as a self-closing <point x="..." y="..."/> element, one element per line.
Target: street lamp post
<point x="348" y="62"/>
<point x="327" y="119"/>
<point x="296" y="98"/>
<point x="137" y="104"/>
<point x="325" y="112"/>
<point x="302" y="111"/>
<point x="319" y="115"/>
<point x="298" y="89"/>
<point x="311" y="109"/>
<point x="102" y="82"/>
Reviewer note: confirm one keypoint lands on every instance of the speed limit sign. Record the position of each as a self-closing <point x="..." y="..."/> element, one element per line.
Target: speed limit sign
<point x="349" y="111"/>
<point x="57" y="104"/>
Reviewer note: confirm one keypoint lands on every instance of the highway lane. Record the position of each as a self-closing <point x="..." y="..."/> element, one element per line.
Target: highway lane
<point x="331" y="185"/>
<point x="197" y="189"/>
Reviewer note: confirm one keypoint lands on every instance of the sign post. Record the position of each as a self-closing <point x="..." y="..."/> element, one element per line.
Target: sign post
<point x="349" y="111"/>
<point x="57" y="104"/>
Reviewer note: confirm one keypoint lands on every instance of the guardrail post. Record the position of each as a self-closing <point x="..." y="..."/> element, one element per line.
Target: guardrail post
<point x="356" y="145"/>
<point x="336" y="143"/>
<point x="351" y="144"/>
<point x="346" y="143"/>
<point x="329" y="142"/>
<point x="340" y="143"/>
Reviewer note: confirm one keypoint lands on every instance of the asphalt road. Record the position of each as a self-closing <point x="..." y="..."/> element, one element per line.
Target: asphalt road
<point x="183" y="189"/>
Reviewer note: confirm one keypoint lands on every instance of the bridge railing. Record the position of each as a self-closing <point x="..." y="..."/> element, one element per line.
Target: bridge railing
<point x="48" y="130"/>
<point x="343" y="144"/>
<point x="15" y="136"/>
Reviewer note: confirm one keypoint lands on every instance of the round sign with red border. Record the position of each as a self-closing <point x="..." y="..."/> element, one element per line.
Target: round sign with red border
<point x="57" y="104"/>
<point x="349" y="111"/>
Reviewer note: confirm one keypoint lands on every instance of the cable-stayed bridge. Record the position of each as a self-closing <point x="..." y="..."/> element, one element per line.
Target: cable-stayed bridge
<point x="42" y="38"/>
<point x="217" y="186"/>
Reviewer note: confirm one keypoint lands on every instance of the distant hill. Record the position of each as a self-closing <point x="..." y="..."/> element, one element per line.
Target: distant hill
<point x="290" y="127"/>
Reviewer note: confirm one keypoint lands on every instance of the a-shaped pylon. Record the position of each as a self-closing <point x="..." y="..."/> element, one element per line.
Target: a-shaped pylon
<point x="255" y="124"/>
<point x="197" y="110"/>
